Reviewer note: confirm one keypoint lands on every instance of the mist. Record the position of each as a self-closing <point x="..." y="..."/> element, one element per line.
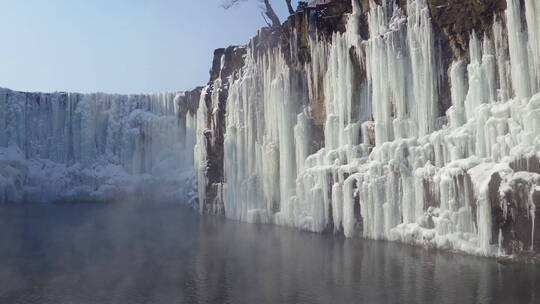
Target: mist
<point x="149" y="252"/>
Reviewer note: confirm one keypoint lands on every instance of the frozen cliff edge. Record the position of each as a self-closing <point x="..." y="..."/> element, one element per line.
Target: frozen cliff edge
<point x="415" y="121"/>
<point x="95" y="147"/>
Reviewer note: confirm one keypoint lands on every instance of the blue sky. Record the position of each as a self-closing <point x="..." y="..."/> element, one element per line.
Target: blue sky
<point x="117" y="46"/>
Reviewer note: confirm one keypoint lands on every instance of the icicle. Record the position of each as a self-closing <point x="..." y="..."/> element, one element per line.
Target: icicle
<point x="532" y="14"/>
<point x="337" y="206"/>
<point x="481" y="73"/>
<point x="200" y="149"/>
<point x="503" y="61"/>
<point x="532" y="211"/>
<point x="302" y="139"/>
<point x="500" y="243"/>
<point x="424" y="76"/>
<point x="348" y="207"/>
<point x="456" y="113"/>
<point x="517" y="40"/>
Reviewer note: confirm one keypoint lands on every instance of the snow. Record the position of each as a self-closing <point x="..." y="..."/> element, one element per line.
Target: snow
<point x="93" y="147"/>
<point x="390" y="167"/>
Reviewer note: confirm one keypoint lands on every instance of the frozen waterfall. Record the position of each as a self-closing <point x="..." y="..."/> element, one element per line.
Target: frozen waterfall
<point x="67" y="146"/>
<point x="393" y="166"/>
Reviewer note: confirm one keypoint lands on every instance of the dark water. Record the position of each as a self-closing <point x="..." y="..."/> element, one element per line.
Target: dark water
<point x="132" y="253"/>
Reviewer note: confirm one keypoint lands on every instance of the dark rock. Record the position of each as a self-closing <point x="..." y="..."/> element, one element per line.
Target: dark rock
<point x="189" y="101"/>
<point x="516" y="219"/>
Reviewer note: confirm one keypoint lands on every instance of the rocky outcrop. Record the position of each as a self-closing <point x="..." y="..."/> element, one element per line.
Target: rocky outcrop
<point x="188" y="102"/>
<point x="457" y="19"/>
<point x="226" y="64"/>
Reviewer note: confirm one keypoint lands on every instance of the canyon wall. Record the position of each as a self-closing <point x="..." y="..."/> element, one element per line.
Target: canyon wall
<point x="95" y="147"/>
<point x="415" y="121"/>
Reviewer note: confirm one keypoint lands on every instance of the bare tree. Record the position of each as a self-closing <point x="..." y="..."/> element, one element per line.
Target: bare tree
<point x="267" y="9"/>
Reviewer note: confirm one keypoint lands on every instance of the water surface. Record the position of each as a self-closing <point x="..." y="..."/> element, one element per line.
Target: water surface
<point x="164" y="253"/>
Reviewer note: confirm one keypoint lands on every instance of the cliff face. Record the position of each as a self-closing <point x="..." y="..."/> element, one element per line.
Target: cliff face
<point x="412" y="121"/>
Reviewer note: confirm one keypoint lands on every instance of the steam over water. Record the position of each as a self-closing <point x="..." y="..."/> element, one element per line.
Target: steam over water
<point x="149" y="253"/>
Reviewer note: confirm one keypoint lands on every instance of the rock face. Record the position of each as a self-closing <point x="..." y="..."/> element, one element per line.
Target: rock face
<point x="457" y="19"/>
<point x="226" y="65"/>
<point x="188" y="102"/>
<point x="415" y="121"/>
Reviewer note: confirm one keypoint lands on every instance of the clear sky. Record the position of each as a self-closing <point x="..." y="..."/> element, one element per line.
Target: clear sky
<point x="118" y="46"/>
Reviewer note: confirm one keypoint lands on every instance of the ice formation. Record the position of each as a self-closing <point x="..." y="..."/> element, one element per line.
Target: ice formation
<point x="67" y="146"/>
<point x="393" y="167"/>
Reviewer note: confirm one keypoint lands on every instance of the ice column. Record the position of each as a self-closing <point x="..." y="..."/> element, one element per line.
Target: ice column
<point x="424" y="75"/>
<point x="517" y="41"/>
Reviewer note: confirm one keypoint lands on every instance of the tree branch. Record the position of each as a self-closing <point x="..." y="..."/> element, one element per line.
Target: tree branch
<point x="271" y="14"/>
<point x="268" y="10"/>
<point x="290" y="7"/>
<point x="266" y="20"/>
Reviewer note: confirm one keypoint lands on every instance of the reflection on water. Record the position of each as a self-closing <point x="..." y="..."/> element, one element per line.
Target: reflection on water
<point x="141" y="253"/>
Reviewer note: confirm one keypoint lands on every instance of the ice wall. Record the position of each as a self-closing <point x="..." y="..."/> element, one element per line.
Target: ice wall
<point x="98" y="147"/>
<point x="393" y="165"/>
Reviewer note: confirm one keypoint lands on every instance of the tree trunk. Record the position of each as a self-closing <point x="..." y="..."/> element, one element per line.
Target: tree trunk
<point x="271" y="14"/>
<point x="289" y="6"/>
